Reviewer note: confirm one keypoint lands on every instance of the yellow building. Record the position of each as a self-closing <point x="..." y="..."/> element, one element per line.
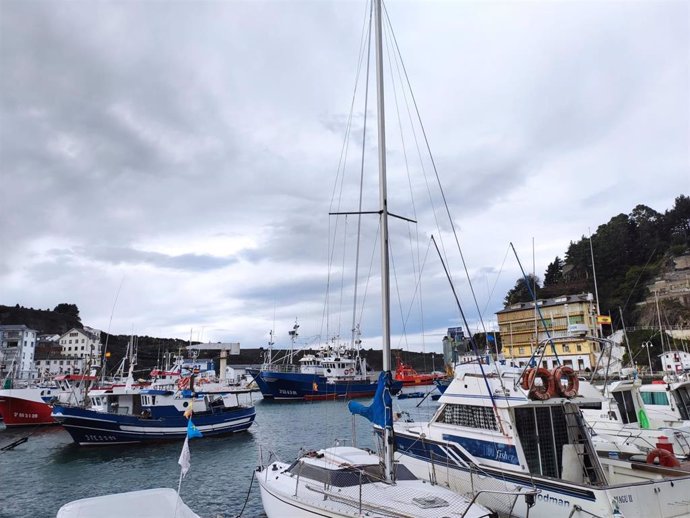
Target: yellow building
<point x="568" y="319"/>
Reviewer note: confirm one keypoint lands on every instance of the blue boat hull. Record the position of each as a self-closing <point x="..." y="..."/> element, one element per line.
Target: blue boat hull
<point x="89" y="427"/>
<point x="298" y="386"/>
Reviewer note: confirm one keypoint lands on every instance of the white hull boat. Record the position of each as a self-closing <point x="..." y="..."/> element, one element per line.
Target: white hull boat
<point x="149" y="503"/>
<point x="492" y="434"/>
<point x="346" y="481"/>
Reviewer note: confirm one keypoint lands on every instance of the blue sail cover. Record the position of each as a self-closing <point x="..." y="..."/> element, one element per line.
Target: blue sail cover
<point x="380" y="411"/>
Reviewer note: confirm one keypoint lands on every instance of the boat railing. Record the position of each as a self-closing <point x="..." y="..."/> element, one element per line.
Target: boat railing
<point x="281" y="367"/>
<point x="530" y="498"/>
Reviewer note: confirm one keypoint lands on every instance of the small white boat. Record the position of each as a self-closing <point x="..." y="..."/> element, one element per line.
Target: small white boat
<point x="149" y="503"/>
<point x="346" y="481"/>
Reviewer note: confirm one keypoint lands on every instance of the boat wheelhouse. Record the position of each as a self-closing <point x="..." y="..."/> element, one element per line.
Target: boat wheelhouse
<point x="626" y="416"/>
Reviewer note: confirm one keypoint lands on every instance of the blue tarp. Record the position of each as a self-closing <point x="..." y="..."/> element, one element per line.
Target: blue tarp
<point x="380" y="411"/>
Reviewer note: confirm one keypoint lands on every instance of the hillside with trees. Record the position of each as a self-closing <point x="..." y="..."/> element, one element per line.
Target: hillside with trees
<point x="629" y="251"/>
<point x="55" y="321"/>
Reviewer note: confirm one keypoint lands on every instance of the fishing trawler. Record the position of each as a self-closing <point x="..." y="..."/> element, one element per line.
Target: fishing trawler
<point x="29" y="405"/>
<point x="335" y="372"/>
<point x="153" y="415"/>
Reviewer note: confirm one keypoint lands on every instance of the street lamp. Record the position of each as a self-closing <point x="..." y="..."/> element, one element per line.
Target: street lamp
<point x="648" y="346"/>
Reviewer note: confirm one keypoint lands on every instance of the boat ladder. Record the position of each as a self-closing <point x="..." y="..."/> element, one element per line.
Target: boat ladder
<point x="579" y="437"/>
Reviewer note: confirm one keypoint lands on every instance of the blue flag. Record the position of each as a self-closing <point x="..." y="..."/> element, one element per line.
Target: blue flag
<point x="193" y="431"/>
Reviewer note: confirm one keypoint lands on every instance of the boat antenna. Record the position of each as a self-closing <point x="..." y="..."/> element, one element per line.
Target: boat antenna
<point x="533" y="294"/>
<point x="107" y="336"/>
<point x="596" y="290"/>
<point x="293" y="336"/>
<point x="625" y="335"/>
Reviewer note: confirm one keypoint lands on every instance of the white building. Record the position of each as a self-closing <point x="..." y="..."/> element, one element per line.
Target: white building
<point x="82" y="343"/>
<point x="53" y="366"/>
<point x="17" y="349"/>
<point x="675" y="361"/>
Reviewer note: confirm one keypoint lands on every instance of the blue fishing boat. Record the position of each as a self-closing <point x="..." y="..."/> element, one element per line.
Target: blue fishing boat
<point x="153" y="415"/>
<point x="335" y="373"/>
<point x="332" y="372"/>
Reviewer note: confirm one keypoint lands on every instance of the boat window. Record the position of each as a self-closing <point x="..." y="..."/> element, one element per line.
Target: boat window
<point x="683" y="401"/>
<point x="654" y="398"/>
<point x="626" y="406"/>
<point x="543" y="432"/>
<point x="346" y="477"/>
<point x="470" y="416"/>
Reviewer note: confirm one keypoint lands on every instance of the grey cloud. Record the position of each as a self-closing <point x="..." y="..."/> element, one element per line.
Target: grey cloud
<point x="188" y="262"/>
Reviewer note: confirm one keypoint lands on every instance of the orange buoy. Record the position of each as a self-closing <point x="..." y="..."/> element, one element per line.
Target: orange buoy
<point x="540" y="392"/>
<point x="557" y="389"/>
<point x="666" y="458"/>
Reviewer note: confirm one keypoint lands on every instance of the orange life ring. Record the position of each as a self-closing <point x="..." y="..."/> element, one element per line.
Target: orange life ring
<point x="666" y="458"/>
<point x="557" y="389"/>
<point x="183" y="383"/>
<point x="535" y="391"/>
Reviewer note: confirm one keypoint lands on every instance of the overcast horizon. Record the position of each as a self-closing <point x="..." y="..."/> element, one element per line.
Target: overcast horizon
<point x="170" y="165"/>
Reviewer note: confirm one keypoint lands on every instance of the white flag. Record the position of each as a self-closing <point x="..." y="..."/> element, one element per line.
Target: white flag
<point x="185" y="457"/>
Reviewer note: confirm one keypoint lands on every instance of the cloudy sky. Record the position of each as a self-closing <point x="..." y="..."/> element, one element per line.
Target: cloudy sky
<point x="171" y="164"/>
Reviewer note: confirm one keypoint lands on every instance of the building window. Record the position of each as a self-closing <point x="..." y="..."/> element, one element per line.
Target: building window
<point x="521" y="350"/>
<point x="566" y="348"/>
<point x="579" y="347"/>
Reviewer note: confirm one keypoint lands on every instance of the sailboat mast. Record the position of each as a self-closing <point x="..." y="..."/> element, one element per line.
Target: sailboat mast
<point x="383" y="194"/>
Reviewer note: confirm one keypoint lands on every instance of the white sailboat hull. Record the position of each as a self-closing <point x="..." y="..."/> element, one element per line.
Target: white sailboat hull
<point x="279" y="506"/>
<point x="348" y="492"/>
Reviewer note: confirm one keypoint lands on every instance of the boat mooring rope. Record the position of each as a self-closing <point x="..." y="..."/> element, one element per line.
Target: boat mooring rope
<point x="19" y="441"/>
<point x="248" y="493"/>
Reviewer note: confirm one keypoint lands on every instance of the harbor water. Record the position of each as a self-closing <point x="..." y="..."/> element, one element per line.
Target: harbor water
<point x="47" y="471"/>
